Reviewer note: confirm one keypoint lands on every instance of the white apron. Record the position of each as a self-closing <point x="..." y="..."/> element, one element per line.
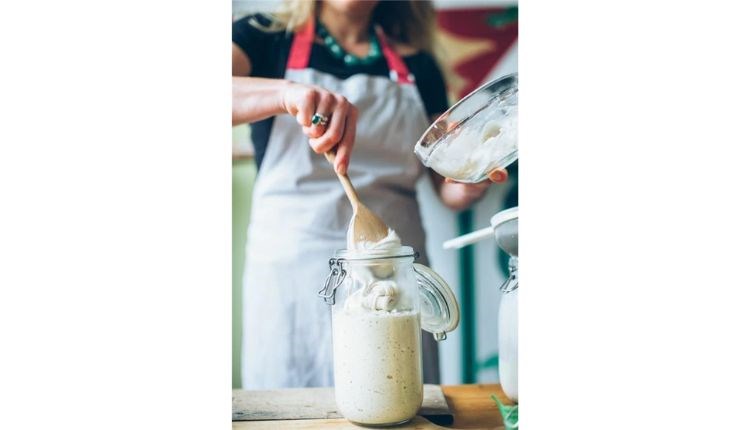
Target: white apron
<point x="300" y="215"/>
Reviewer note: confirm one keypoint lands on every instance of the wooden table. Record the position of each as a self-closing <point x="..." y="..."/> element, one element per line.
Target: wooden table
<point x="471" y="405"/>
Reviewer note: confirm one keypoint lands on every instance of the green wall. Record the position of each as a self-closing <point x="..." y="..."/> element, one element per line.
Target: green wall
<point x="243" y="176"/>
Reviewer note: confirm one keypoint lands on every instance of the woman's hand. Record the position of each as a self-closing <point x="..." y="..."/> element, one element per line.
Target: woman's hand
<point x="459" y="196"/>
<point x="254" y="99"/>
<point x="304" y="101"/>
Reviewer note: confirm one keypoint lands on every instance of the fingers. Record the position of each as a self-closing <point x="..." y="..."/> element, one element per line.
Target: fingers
<point x="466" y="193"/>
<point x="345" y="146"/>
<point x="498" y="175"/>
<point x="338" y="112"/>
<point x="340" y="129"/>
<point x="473" y="192"/>
<point x="326" y="105"/>
<point x="306" y="108"/>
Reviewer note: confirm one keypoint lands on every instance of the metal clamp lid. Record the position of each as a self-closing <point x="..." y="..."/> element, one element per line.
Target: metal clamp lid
<point x="511" y="283"/>
<point x="335" y="277"/>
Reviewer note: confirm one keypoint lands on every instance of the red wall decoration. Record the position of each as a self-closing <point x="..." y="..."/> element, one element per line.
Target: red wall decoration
<point x="471" y="42"/>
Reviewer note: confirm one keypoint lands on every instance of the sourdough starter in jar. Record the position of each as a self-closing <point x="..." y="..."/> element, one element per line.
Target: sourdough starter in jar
<point x="377" y="365"/>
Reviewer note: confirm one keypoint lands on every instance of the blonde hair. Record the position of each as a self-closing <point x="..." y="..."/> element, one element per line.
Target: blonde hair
<point x="410" y="22"/>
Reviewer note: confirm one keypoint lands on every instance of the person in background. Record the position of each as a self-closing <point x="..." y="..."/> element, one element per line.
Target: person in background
<point x="356" y="77"/>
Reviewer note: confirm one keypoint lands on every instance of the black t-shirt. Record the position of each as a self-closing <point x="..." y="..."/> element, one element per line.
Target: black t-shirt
<point x="268" y="53"/>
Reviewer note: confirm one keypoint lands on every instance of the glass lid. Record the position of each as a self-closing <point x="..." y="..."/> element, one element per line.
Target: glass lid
<point x="438" y="305"/>
<point x="475" y="136"/>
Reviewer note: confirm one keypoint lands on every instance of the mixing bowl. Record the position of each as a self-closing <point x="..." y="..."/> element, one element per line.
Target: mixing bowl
<point x="475" y="136"/>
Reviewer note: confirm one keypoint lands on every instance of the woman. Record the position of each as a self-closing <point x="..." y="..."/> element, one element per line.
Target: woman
<point x="345" y="75"/>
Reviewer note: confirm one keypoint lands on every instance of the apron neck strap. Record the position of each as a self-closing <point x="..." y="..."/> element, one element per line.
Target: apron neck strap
<point x="398" y="70"/>
<point x="299" y="55"/>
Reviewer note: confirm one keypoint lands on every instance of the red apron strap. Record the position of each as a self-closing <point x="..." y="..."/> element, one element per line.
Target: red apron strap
<point x="398" y="70"/>
<point x="299" y="55"/>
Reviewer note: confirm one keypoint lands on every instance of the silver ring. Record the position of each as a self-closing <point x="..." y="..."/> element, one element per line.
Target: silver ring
<point x="319" y="119"/>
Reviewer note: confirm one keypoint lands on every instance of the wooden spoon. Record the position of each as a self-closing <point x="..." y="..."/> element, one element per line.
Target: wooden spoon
<point x="366" y="226"/>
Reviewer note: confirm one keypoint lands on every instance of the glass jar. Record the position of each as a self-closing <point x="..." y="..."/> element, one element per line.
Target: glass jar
<point x="507" y="329"/>
<point x="379" y="300"/>
<point x="505" y="229"/>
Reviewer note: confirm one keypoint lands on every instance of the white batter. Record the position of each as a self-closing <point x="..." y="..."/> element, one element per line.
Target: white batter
<point x="377" y="365"/>
<point x="479" y="146"/>
<point x="390" y="241"/>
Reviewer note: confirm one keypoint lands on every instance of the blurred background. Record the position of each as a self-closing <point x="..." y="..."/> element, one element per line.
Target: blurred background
<point x="477" y="41"/>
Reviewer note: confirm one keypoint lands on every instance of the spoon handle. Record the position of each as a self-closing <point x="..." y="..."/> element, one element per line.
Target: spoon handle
<point x="345" y="182"/>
